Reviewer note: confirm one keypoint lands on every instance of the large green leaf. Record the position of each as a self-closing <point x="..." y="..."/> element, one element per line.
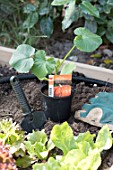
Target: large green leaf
<point x="43" y="66"/>
<point x="88" y="8"/>
<point x="91" y="25"/>
<point x="104" y="139"/>
<point x="62" y="136"/>
<point x="102" y="2"/>
<point x="46" y="25"/>
<point x="22" y="59"/>
<point x="85" y="40"/>
<point x="109" y="34"/>
<point x="31" y="20"/>
<point x="107" y="9"/>
<point x="44" y="11"/>
<point x="60" y="2"/>
<point x="68" y="68"/>
<point x="44" y="8"/>
<point x="101" y="31"/>
<point x="71" y="15"/>
<point x="28" y="8"/>
<point x="110" y="2"/>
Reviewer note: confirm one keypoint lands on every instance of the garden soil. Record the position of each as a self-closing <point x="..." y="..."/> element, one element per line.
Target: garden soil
<point x="10" y="108"/>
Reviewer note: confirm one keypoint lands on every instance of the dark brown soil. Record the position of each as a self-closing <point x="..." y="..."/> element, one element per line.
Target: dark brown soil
<point x="10" y="108"/>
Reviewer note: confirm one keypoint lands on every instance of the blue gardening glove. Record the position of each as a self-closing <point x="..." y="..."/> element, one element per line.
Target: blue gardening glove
<point x="102" y="102"/>
<point x="99" y="110"/>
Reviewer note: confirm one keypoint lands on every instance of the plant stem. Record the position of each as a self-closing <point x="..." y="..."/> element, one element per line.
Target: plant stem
<point x="66" y="56"/>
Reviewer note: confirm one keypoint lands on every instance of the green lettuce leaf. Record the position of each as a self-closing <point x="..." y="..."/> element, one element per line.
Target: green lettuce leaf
<point x="104" y="139"/>
<point x="84" y="146"/>
<point x="73" y="157"/>
<point x="63" y="138"/>
<point x="86" y="137"/>
<point x="36" y="144"/>
<point x="92" y="161"/>
<point x="52" y="164"/>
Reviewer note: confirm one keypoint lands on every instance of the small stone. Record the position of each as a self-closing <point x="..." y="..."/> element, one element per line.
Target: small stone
<point x="73" y="58"/>
<point x="108" y="52"/>
<point x="102" y="65"/>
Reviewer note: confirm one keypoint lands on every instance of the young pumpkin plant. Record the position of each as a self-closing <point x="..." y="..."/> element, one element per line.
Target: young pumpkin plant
<point x="26" y="58"/>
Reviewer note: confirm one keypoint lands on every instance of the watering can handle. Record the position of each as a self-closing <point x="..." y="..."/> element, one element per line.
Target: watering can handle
<point x="20" y="95"/>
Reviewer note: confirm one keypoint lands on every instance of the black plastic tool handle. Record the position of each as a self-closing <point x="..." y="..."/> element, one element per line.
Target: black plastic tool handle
<point x="20" y="95"/>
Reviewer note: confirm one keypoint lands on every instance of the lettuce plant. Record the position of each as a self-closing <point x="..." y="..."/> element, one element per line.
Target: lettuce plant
<point x="26" y="58"/>
<point x="6" y="158"/>
<point x="80" y="152"/>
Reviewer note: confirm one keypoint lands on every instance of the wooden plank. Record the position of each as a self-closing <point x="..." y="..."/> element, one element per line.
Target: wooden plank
<point x="5" y="54"/>
<point x="95" y="72"/>
<point x="89" y="71"/>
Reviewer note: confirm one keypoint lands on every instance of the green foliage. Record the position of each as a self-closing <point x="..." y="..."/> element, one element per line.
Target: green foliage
<point x="78" y="152"/>
<point x="62" y="137"/>
<point x="26" y="21"/>
<point x="25" y="59"/>
<point x="97" y="15"/>
<point x="36" y="145"/>
<point x="40" y="12"/>
<point x="42" y="64"/>
<point x="82" y="151"/>
<point x="86" y="40"/>
<point x="51" y="164"/>
<point x="11" y="134"/>
<point x="26" y="149"/>
<point x="103" y="140"/>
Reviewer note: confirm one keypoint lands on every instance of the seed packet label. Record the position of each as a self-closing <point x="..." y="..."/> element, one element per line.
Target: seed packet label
<point x="60" y="85"/>
<point x="51" y="86"/>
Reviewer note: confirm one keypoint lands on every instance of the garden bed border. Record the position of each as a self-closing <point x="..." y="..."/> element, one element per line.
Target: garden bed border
<point x="90" y="71"/>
